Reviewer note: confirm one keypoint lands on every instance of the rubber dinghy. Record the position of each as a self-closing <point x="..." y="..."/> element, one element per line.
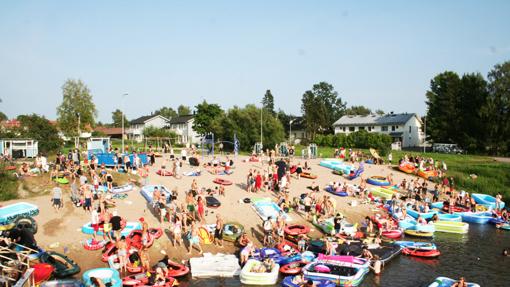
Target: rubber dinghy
<point x="266" y="209"/>
<point x="9" y="213"/>
<point x="447" y="282"/>
<point x="250" y="276"/>
<point x="219" y="265"/>
<point x="64" y="266"/>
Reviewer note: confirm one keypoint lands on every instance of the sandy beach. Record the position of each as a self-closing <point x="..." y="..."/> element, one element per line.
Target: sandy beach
<point x="61" y="232"/>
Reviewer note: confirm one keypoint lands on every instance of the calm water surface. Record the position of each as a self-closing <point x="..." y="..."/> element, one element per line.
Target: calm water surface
<point x="476" y="256"/>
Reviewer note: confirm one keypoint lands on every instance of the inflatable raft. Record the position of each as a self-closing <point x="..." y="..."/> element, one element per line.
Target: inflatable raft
<point x="107" y="275"/>
<point x="222" y="181"/>
<point x="63" y="283"/>
<point x="417" y="245"/>
<point x="265" y="209"/>
<point x="378" y="180"/>
<point x="232" y="231"/>
<point x="219" y="265"/>
<point x="449" y="217"/>
<point x="330" y="189"/>
<point x="476" y="217"/>
<point x="451" y="227"/>
<point x="421" y="253"/>
<point x="346" y="273"/>
<point x="288" y="282"/>
<point x="448" y="282"/>
<point x="382" y="192"/>
<point x="407" y="167"/>
<point x="486" y="199"/>
<point x="122" y="188"/>
<point x="9" y="213"/>
<point x="249" y="277"/>
<point x="415" y="233"/>
<point x="427" y="174"/>
<point x="424" y="215"/>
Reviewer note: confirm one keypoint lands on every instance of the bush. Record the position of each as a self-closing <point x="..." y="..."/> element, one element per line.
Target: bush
<point x="8" y="184"/>
<point x="359" y="139"/>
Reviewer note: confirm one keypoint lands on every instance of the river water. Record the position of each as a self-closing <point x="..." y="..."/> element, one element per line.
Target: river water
<point x="476" y="256"/>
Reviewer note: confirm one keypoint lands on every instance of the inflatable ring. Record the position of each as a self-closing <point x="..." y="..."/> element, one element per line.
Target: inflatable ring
<point x="88" y="245"/>
<point x="222" y="181"/>
<point x="292" y="268"/>
<point x="163" y="172"/>
<point x="62" y="180"/>
<point x="10" y="167"/>
<point x="308" y="175"/>
<point x="296" y="229"/>
<point x="26" y="222"/>
<point x="247" y="200"/>
<point x="378" y="180"/>
<point x="393" y="234"/>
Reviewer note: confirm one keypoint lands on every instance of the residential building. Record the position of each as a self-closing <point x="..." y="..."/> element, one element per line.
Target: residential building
<point x="114" y="133"/>
<point x="136" y="127"/>
<point x="296" y="132"/>
<point x="404" y="128"/>
<point x="183" y="127"/>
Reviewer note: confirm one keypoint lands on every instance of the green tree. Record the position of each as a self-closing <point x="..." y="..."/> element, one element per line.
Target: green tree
<point x="3" y="117"/>
<point x="77" y="100"/>
<point x="117" y="118"/>
<point x="268" y="102"/>
<point x="166" y="112"/>
<point x="498" y="109"/>
<point x="358" y="111"/>
<point x="39" y="128"/>
<point x="472" y="120"/>
<point x="245" y="122"/>
<point x="379" y="112"/>
<point x="204" y="117"/>
<point x="443" y="107"/>
<point x="183" y="110"/>
<point x="321" y="107"/>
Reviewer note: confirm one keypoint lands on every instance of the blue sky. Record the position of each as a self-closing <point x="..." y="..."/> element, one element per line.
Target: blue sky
<point x="381" y="54"/>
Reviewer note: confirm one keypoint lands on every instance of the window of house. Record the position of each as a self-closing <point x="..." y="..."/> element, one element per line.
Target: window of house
<point x="409" y="129"/>
<point x="393" y="128"/>
<point x="351" y="129"/>
<point x="384" y="128"/>
<point x="370" y="129"/>
<point x="343" y="129"/>
<point x="361" y="128"/>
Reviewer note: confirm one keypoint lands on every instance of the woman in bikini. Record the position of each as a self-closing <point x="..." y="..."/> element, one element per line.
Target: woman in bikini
<point x="177" y="231"/>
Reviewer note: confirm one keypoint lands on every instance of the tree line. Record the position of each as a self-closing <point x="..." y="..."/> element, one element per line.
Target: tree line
<point x="470" y="110"/>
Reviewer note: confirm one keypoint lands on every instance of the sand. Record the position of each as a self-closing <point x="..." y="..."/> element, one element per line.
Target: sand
<point x="61" y="231"/>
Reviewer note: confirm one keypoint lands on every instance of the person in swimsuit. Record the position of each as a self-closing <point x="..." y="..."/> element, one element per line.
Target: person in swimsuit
<point x="194" y="239"/>
<point x="201" y="209"/>
<point x="177" y="231"/>
<point x="145" y="259"/>
<point x="218" y="231"/>
<point x="109" y="181"/>
<point x="122" y="253"/>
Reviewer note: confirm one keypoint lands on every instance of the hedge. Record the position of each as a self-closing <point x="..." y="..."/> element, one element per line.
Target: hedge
<point x="359" y="139"/>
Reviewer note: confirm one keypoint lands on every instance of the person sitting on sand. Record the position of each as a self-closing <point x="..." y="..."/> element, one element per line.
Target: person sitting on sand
<point x="299" y="279"/>
<point x="244" y="240"/>
<point x="247" y="252"/>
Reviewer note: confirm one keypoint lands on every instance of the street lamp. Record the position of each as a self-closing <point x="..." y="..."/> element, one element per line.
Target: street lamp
<point x="290" y="130"/>
<point x="77" y="142"/>
<point x="122" y="112"/>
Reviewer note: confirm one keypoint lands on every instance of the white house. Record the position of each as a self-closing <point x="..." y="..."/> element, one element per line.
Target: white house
<point x="183" y="127"/>
<point x="404" y="128"/>
<point x="135" y="130"/>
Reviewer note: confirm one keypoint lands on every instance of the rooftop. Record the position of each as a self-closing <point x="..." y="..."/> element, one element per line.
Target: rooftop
<point x="142" y="120"/>
<point x="181" y="119"/>
<point x="388" y="119"/>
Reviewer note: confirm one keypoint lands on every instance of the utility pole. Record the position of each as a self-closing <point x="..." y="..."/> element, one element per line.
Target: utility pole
<point x="290" y="131"/>
<point x="261" y="109"/>
<point x="425" y="135"/>
<point x="77" y="142"/>
<point x="122" y="111"/>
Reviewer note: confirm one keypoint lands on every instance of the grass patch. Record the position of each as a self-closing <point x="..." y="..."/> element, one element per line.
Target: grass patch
<point x="8" y="184"/>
